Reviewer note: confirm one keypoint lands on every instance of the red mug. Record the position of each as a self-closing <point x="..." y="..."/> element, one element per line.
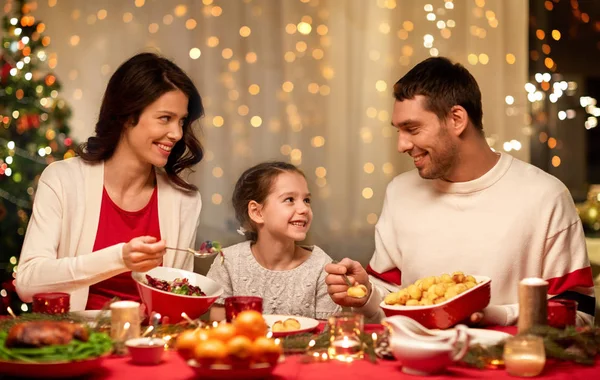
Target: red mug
<point x="562" y="313"/>
<point x="51" y="303"/>
<point x="236" y="304"/>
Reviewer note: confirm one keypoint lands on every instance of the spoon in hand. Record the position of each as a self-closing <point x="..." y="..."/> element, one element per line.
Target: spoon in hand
<point x="355" y="291"/>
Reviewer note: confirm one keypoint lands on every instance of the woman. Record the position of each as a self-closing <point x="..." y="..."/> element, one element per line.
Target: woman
<point x="117" y="206"/>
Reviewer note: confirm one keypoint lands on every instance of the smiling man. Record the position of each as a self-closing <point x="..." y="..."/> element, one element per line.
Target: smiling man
<point x="467" y="208"/>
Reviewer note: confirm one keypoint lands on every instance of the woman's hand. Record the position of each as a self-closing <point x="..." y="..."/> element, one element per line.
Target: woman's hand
<point x="143" y="253"/>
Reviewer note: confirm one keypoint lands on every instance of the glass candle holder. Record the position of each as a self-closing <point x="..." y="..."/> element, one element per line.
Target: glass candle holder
<point x="51" y="303"/>
<point x="236" y="304"/>
<point x="524" y="355"/>
<point x="345" y="344"/>
<point x="562" y="313"/>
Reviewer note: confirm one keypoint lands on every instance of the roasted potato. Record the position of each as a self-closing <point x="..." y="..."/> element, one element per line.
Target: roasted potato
<point x="432" y="290"/>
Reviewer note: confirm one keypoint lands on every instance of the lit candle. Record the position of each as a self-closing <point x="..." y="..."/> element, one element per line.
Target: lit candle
<point x="345" y="336"/>
<point x="341" y="349"/>
<point x="524" y="356"/>
<point x="525" y="365"/>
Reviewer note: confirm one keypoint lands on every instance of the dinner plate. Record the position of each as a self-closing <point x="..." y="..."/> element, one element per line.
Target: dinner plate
<point x="51" y="370"/>
<point x="306" y="324"/>
<point x="214" y="372"/>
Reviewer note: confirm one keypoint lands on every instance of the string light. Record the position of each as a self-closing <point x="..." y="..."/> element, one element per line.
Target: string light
<point x="308" y="38"/>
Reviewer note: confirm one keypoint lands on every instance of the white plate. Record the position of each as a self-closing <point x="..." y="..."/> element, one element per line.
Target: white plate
<point x="91" y="315"/>
<point x="480" y="336"/>
<point x="306" y="324"/>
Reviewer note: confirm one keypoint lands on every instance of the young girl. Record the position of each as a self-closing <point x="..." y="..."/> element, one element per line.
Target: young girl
<point x="272" y="204"/>
<point x="114" y="208"/>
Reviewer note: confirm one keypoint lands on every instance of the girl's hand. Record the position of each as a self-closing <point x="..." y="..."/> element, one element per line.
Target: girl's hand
<point x="143" y="253"/>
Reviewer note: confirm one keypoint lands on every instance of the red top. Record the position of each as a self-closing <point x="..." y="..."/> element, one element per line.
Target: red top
<point x="119" y="226"/>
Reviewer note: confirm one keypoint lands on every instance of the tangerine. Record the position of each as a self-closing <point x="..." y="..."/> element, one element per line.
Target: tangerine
<point x="223" y="332"/>
<point x="186" y="343"/>
<point x="210" y="351"/>
<point x="251" y="324"/>
<point x="265" y="350"/>
<point x="239" y="350"/>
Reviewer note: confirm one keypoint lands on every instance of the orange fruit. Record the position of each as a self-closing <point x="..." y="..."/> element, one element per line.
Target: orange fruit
<point x="223" y="332"/>
<point x="239" y="350"/>
<point x="265" y="350"/>
<point x="186" y="343"/>
<point x="251" y="324"/>
<point x="210" y="351"/>
<point x="202" y="334"/>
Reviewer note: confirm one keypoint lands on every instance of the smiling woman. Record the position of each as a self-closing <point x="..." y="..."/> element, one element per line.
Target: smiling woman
<point x="111" y="210"/>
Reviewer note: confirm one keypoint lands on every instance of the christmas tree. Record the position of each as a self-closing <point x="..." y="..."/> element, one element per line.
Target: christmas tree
<point x="33" y="132"/>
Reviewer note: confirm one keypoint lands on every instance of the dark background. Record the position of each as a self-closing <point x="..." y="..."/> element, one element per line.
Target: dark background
<point x="577" y="57"/>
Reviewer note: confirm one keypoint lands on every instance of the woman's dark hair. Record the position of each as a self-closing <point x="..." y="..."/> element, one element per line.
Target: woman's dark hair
<point x="255" y="184"/>
<point x="135" y="85"/>
<point x="444" y="85"/>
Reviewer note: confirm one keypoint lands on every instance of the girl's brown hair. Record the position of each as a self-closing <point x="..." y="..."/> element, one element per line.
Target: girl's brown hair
<point x="255" y="185"/>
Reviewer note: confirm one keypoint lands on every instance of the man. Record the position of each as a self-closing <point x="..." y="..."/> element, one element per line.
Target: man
<point x="466" y="208"/>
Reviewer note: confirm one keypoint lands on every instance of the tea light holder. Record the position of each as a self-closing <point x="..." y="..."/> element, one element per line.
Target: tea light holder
<point x="345" y="344"/>
<point x="562" y="313"/>
<point x="236" y="304"/>
<point x="125" y="323"/>
<point x="533" y="303"/>
<point x="51" y="303"/>
<point x="524" y="355"/>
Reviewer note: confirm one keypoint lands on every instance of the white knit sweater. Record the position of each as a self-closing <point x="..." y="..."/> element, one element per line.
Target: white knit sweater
<point x="515" y="221"/>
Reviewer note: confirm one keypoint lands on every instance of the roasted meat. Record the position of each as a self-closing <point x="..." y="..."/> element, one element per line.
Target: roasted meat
<point x="45" y="333"/>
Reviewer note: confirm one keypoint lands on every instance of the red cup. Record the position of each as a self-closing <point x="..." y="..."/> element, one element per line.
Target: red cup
<point x="236" y="304"/>
<point x="562" y="313"/>
<point x="51" y="303"/>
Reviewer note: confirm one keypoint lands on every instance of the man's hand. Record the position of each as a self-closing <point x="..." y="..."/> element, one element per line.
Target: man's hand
<point x="143" y="253"/>
<point x="337" y="287"/>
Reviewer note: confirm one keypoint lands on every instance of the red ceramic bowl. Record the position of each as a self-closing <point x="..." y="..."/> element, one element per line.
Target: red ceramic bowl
<point x="448" y="313"/>
<point x="170" y="304"/>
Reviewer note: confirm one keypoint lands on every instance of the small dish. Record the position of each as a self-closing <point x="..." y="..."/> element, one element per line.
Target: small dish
<point x="146" y="351"/>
